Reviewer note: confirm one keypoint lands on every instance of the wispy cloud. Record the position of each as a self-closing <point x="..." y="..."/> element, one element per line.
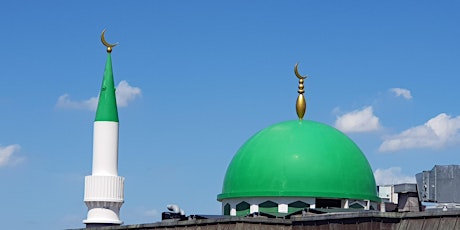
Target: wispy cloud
<point x="392" y="175"/>
<point x="362" y="120"/>
<point x="400" y="92"/>
<point x="438" y="132"/>
<point x="64" y="101"/>
<point x="8" y="155"/>
<point x="124" y="93"/>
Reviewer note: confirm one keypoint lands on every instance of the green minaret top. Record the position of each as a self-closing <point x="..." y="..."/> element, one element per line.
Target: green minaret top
<point x="107" y="105"/>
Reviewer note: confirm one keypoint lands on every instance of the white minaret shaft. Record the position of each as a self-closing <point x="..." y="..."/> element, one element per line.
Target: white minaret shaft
<point x="105" y="148"/>
<point x="104" y="188"/>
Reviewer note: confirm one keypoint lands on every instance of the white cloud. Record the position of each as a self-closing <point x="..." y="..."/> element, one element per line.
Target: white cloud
<point x="400" y="92"/>
<point x="124" y="93"/>
<point x="358" y="121"/>
<point x="64" y="101"/>
<point x="7" y="155"/>
<point x="436" y="133"/>
<point x="392" y="175"/>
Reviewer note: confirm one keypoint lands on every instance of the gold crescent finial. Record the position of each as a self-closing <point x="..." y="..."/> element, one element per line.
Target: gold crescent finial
<point x="297" y="72"/>
<point x="301" y="104"/>
<point x="108" y="45"/>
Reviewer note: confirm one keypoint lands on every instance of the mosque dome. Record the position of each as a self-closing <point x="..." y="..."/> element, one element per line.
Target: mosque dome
<point x="293" y="165"/>
<point x="299" y="158"/>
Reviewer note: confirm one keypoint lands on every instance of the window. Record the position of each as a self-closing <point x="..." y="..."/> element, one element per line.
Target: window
<point x="296" y="206"/>
<point x="356" y="205"/>
<point x="268" y="207"/>
<point x="328" y="203"/>
<point x="242" y="209"/>
<point x="227" y="209"/>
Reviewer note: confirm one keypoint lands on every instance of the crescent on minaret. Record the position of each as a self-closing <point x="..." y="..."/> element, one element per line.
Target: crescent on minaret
<point x="297" y="72"/>
<point x="108" y="45"/>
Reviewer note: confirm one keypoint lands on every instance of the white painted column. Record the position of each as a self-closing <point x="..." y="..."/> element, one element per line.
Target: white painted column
<point x="253" y="208"/>
<point x="283" y="208"/>
<point x="345" y="203"/>
<point x="233" y="211"/>
<point x="104" y="194"/>
<point x="368" y="205"/>
<point x="105" y="148"/>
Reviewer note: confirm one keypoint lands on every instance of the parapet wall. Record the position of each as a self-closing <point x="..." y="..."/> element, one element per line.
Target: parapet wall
<point x="447" y="220"/>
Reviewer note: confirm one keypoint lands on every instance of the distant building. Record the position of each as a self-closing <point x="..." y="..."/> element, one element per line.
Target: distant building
<point x="440" y="185"/>
<point x="399" y="198"/>
<point x="387" y="194"/>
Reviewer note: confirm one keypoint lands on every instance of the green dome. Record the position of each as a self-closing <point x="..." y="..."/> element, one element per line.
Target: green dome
<point x="299" y="159"/>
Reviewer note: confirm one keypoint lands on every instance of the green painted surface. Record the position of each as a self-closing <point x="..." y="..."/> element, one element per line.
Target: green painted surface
<point x="297" y="206"/>
<point x="299" y="158"/>
<point x="242" y="209"/>
<point x="268" y="207"/>
<point x="107" y="106"/>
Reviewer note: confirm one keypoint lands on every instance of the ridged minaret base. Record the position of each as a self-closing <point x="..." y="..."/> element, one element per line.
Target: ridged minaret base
<point x="104" y="198"/>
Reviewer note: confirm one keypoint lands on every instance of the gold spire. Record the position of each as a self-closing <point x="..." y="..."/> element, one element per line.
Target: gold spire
<point x="301" y="104"/>
<point x="108" y="45"/>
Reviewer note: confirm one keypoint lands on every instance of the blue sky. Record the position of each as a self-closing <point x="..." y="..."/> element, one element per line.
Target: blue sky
<point x="198" y="78"/>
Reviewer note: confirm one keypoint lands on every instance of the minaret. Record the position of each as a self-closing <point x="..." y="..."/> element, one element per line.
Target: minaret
<point x="104" y="188"/>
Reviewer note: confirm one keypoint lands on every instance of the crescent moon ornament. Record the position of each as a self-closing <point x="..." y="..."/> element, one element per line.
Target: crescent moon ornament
<point x="108" y="45"/>
<point x="297" y="72"/>
<point x="301" y="104"/>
